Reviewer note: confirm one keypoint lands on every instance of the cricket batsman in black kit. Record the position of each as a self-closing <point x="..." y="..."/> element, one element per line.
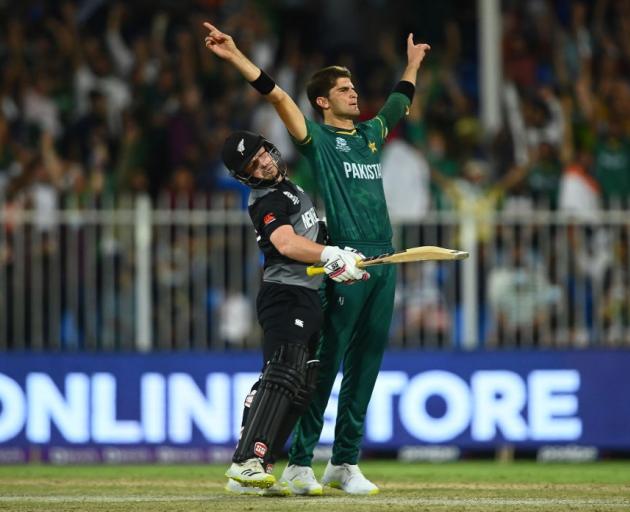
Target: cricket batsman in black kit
<point x="290" y="235"/>
<point x="345" y="157"/>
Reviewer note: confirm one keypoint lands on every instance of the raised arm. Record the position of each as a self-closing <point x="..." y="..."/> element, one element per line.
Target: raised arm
<point x="223" y="46"/>
<point x="415" y="56"/>
<point x="397" y="105"/>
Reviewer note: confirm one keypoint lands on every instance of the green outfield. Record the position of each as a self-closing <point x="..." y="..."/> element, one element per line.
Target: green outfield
<point x="478" y="486"/>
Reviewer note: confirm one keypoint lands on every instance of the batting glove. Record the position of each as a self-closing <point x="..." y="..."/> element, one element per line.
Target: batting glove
<point x="353" y="250"/>
<point x="341" y="265"/>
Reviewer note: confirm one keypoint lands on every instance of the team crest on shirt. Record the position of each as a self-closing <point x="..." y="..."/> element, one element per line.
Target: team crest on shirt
<point x="342" y="145"/>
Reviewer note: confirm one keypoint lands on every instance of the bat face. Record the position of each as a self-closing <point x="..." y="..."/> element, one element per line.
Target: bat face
<point x="425" y="253"/>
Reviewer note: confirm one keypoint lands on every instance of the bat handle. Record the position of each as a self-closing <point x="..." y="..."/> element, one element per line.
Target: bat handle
<point x="317" y="271"/>
<point x="314" y="271"/>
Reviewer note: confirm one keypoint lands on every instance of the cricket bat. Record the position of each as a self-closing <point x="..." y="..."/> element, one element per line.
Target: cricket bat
<point x="424" y="253"/>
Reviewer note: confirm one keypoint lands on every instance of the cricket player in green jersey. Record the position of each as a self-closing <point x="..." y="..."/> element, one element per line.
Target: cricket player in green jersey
<point x="345" y="157"/>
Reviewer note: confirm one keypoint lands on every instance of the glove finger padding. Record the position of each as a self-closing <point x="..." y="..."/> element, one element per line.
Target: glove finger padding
<point x="365" y="275"/>
<point x="357" y="274"/>
<point x="341" y="265"/>
<point x="352" y="249"/>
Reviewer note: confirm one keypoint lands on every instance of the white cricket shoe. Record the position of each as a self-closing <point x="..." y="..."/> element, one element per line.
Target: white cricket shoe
<point x="301" y="480"/>
<point x="348" y="478"/>
<point x="276" y="490"/>
<point x="250" y="473"/>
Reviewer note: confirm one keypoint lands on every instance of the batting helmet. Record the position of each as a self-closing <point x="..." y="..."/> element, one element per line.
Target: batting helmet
<point x="238" y="150"/>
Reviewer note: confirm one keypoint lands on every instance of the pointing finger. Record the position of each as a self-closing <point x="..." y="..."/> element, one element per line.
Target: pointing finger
<point x="209" y="26"/>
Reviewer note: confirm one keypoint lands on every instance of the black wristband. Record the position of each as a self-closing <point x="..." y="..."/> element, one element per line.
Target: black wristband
<point x="264" y="83"/>
<point x="406" y="88"/>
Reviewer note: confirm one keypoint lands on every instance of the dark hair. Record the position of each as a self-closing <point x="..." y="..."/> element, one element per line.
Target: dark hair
<point x="322" y="82"/>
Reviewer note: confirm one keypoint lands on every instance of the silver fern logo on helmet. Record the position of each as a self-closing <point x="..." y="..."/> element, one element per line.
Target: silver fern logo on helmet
<point x="241" y="147"/>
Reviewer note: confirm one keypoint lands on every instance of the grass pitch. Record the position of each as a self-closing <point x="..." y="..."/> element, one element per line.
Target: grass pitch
<point x="460" y="486"/>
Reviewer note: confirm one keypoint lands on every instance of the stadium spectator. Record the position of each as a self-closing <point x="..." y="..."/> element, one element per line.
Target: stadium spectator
<point x="520" y="296"/>
<point x="100" y="100"/>
<point x="612" y="164"/>
<point x="405" y="181"/>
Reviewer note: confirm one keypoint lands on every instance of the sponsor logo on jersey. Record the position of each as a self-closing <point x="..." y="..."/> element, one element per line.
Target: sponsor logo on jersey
<point x="260" y="449"/>
<point x="342" y="145"/>
<point x="268" y="219"/>
<point x="299" y="323"/>
<point x="294" y="199"/>
<point x="335" y="268"/>
<point x="362" y="171"/>
<point x="309" y="218"/>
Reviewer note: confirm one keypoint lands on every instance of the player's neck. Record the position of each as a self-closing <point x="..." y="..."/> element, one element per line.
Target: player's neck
<point x="343" y="123"/>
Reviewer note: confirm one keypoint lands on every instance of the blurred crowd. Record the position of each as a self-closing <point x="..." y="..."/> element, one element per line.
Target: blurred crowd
<point x="102" y="97"/>
<point x="100" y="100"/>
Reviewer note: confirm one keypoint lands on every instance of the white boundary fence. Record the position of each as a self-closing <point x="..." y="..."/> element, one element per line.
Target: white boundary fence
<point x="180" y="276"/>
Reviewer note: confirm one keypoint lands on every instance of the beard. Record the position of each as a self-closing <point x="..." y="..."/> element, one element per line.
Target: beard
<point x="271" y="172"/>
<point x="352" y="112"/>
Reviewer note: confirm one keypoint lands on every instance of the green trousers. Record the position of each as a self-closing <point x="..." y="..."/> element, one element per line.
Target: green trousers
<point x="355" y="333"/>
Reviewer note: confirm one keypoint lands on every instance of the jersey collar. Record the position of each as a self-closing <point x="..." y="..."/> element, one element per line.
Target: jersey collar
<point x="340" y="131"/>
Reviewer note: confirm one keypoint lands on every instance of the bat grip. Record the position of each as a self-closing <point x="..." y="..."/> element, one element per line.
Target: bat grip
<point x="317" y="271"/>
<point x="314" y="271"/>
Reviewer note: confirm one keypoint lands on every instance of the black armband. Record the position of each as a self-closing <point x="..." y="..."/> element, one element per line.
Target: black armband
<point x="263" y="84"/>
<point x="406" y="88"/>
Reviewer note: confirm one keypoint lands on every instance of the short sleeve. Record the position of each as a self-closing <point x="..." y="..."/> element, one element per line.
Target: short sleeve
<point x="307" y="144"/>
<point x="270" y="212"/>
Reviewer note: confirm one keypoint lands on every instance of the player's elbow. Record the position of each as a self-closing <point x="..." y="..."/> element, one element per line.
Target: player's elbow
<point x="284" y="246"/>
<point x="288" y="249"/>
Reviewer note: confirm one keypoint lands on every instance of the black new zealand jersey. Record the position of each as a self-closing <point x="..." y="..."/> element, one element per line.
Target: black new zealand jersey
<point x="270" y="208"/>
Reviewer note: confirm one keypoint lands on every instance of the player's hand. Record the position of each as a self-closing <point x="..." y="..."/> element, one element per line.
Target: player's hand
<point x="341" y="265"/>
<point x="359" y="254"/>
<point x="222" y="45"/>
<point x="415" y="52"/>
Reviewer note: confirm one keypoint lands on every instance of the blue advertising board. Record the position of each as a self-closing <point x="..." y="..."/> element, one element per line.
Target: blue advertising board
<point x="180" y="403"/>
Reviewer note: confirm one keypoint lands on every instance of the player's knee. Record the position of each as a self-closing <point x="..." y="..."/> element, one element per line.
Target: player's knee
<point x="304" y="395"/>
<point x="287" y="368"/>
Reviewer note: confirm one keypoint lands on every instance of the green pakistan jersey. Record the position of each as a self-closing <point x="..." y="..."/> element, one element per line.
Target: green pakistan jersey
<point x="347" y="166"/>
